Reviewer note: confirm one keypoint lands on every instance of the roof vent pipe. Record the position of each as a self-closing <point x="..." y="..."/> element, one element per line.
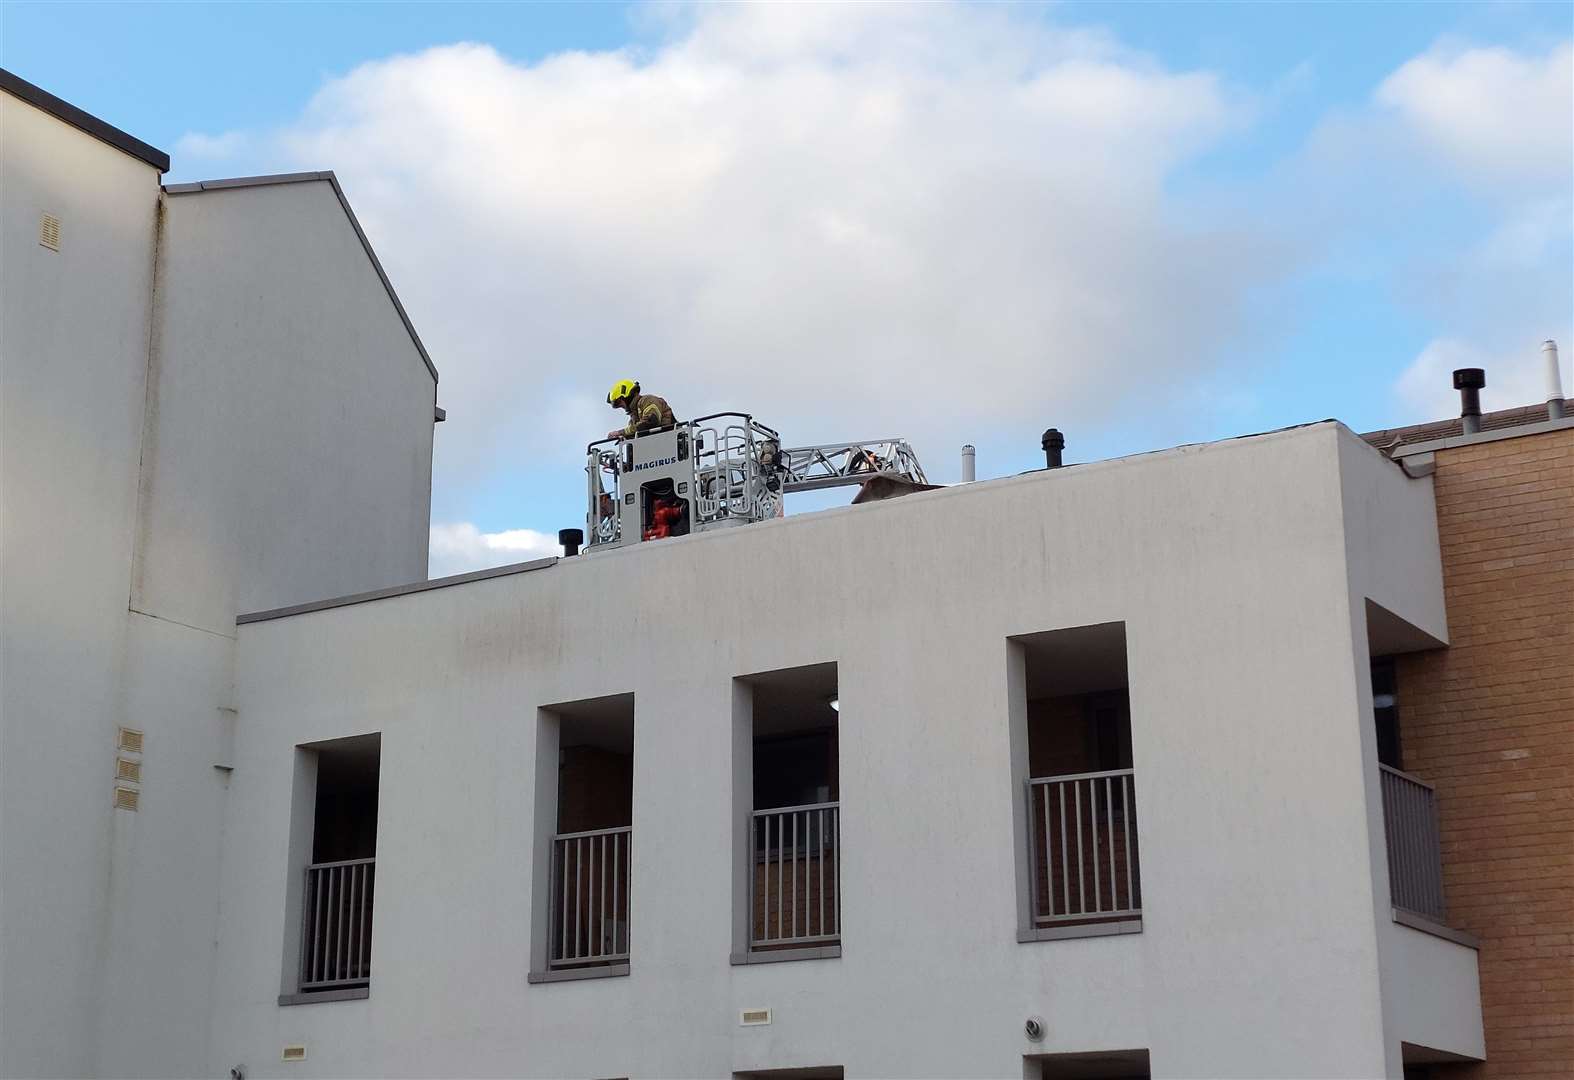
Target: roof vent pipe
<point x="967" y="463"/>
<point x="570" y="539"/>
<point x="1549" y="353"/>
<point x="1469" y="381"/>
<point x="1053" y="443"/>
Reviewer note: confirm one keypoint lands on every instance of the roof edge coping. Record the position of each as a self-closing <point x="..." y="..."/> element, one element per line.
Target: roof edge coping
<point x="1518" y="431"/>
<point x="82" y="120"/>
<point x="396" y="590"/>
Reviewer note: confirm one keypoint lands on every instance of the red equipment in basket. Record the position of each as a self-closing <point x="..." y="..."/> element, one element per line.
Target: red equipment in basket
<point x="664" y="515"/>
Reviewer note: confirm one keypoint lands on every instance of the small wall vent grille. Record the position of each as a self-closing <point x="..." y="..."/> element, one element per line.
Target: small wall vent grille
<point x="128" y="770"/>
<point x="130" y="741"/>
<point x="295" y="1053"/>
<point x="126" y="798"/>
<point x="754" y="1017"/>
<point x="49" y="232"/>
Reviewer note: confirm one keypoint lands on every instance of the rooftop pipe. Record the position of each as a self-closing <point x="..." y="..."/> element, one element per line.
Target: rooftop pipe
<point x="967" y="463"/>
<point x="1469" y="381"/>
<point x="1053" y="443"/>
<point x="1555" y="406"/>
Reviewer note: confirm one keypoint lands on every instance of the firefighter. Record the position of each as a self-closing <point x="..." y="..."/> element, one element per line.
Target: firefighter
<point x="647" y="412"/>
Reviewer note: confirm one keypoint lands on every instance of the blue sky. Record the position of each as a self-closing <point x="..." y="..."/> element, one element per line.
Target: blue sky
<point x="1143" y="223"/>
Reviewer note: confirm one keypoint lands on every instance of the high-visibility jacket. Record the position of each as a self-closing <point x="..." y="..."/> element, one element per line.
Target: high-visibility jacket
<point x="649" y="413"/>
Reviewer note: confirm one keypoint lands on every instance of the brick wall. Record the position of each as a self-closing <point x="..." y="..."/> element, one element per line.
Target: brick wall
<point x="1490" y="722"/>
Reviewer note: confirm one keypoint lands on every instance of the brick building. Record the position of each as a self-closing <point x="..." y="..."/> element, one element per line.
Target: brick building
<point x="1489" y="721"/>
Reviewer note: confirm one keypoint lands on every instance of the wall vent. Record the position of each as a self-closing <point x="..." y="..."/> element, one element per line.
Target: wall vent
<point x="754" y="1017"/>
<point x="295" y="1053"/>
<point x="49" y="232"/>
<point x="128" y="770"/>
<point x="130" y="741"/>
<point x="126" y="798"/>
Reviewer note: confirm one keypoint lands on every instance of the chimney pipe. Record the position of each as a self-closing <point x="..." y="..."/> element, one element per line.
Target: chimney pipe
<point x="1555" y="407"/>
<point x="967" y="463"/>
<point x="1469" y="381"/>
<point x="570" y="539"/>
<point x="1053" y="443"/>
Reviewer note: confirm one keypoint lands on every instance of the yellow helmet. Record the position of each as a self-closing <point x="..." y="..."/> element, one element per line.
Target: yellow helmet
<point x="623" y="388"/>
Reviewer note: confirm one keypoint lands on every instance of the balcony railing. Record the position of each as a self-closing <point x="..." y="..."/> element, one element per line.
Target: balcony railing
<point x="795" y="893"/>
<point x="590" y="897"/>
<point x="1083" y="842"/>
<point x="1415" y="850"/>
<point x="336" y="925"/>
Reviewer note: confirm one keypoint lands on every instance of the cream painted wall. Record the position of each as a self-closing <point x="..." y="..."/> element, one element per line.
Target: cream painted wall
<point x="280" y="450"/>
<point x="73" y="358"/>
<point x="288" y="456"/>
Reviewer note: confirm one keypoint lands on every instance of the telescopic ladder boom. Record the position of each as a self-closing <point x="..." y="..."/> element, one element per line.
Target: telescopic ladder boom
<point x="809" y="468"/>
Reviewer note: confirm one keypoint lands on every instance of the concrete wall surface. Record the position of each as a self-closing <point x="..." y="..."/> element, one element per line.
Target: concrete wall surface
<point x="1432" y="992"/>
<point x="290" y="426"/>
<point x="288" y="455"/>
<point x="1230" y="565"/>
<point x="73" y="358"/>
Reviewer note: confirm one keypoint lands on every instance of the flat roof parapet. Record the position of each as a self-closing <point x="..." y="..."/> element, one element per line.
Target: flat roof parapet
<point x="396" y="590"/>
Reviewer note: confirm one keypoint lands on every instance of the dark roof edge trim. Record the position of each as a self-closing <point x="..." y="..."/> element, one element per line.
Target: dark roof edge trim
<point x="40" y="98"/>
<point x="397" y="590"/>
<point x="303" y="177"/>
<point x="1519" y="431"/>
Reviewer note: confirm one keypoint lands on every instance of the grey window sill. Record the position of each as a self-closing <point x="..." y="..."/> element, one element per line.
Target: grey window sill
<point x="611" y="971"/>
<point x="1436" y="929"/>
<point x="782" y="956"/>
<point x="358" y="993"/>
<point x="1061" y="933"/>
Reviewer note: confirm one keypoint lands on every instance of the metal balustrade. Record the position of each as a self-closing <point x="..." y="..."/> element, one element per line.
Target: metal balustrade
<point x="1082" y="837"/>
<point x="1415" y="850"/>
<point x="590" y="897"/>
<point x="794" y="891"/>
<point x="336" y="925"/>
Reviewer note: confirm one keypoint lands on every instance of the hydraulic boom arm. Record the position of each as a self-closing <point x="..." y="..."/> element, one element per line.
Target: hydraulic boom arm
<point x="809" y="468"/>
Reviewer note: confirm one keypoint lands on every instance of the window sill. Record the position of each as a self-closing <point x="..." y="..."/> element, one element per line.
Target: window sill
<point x="782" y="956"/>
<point x="1061" y="933"/>
<point x="1436" y="929"/>
<point x="357" y="993"/>
<point x="611" y="971"/>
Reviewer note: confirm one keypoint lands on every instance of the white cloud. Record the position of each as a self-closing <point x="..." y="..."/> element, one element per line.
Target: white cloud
<point x="932" y="221"/>
<point x="460" y="546"/>
<point x="1504" y="122"/>
<point x="230" y="144"/>
<point x="1498" y="116"/>
<point x="948" y="222"/>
